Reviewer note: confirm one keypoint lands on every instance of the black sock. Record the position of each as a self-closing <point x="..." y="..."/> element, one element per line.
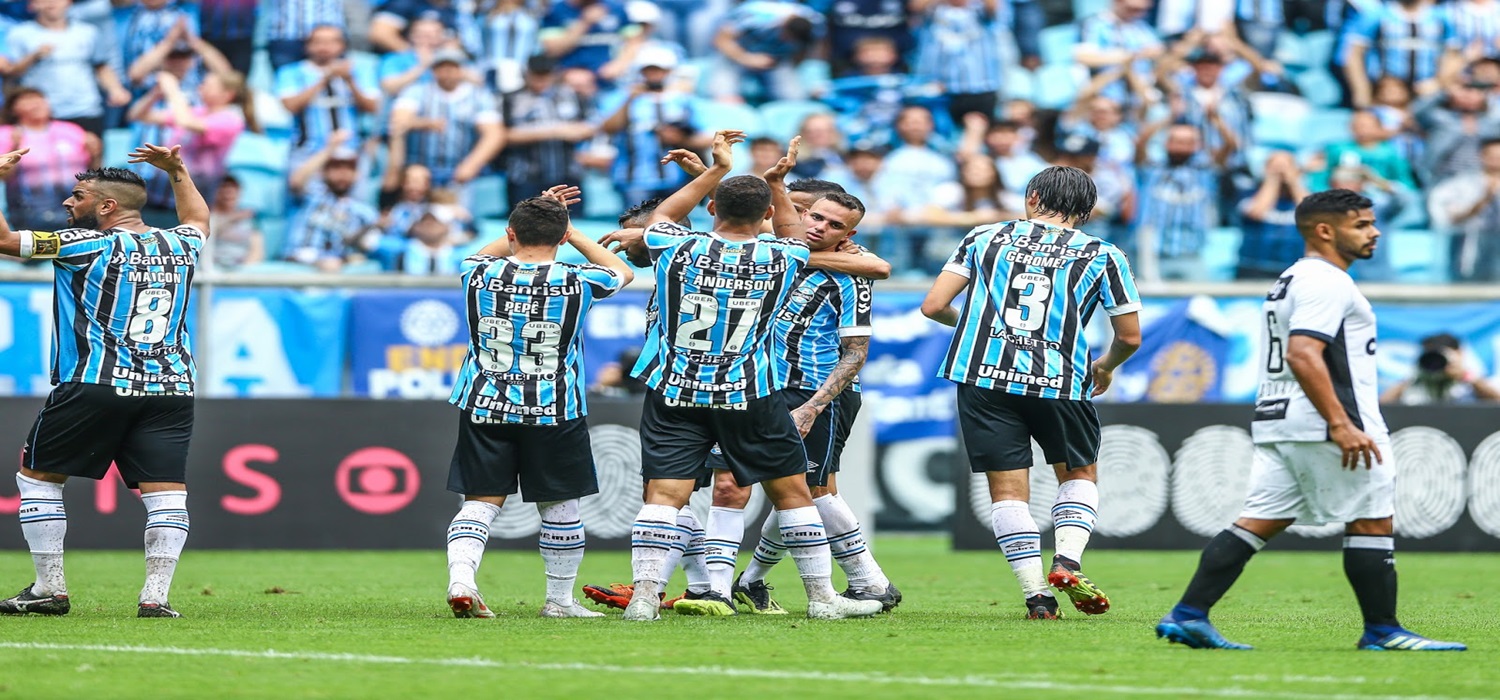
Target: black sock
<point x="1370" y="565"/>
<point x="1220" y="566"/>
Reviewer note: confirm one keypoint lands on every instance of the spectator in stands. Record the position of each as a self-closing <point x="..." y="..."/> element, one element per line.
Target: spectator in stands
<point x="977" y="197"/>
<point x="44" y="178"/>
<point x="1474" y="28"/>
<point x="1200" y="88"/>
<point x="511" y="34"/>
<point x="404" y="194"/>
<point x="852" y="21"/>
<point x="1402" y="39"/>
<point x="1119" y="36"/>
<point x="1178" y="199"/>
<point x="646" y="121"/>
<point x="913" y="170"/>
<point x="1444" y="374"/>
<point x="858" y="176"/>
<point x="291" y="26"/>
<point x="763" y="42"/>
<point x="1114" y="208"/>
<point x="450" y="125"/>
<point x="1455" y="121"/>
<point x="958" y="54"/>
<point x="1269" y="241"/>
<point x="869" y="99"/>
<point x="330" y="218"/>
<point x="1370" y="148"/>
<point x="206" y="125"/>
<point x="229" y="25"/>
<point x="1259" y="23"/>
<point x="399" y="70"/>
<point x="392" y="18"/>
<point x="1103" y="120"/>
<point x="235" y="242"/>
<point x="592" y="34"/>
<point x="324" y="92"/>
<point x="1016" y="161"/>
<point x="544" y="124"/>
<point x="181" y="53"/>
<point x="1177" y="18"/>
<point x="67" y="61"/>
<point x="822" y="147"/>
<point x="1467" y="205"/>
<point x="1392" y="106"/>
<point x="142" y="25"/>
<point x="429" y="246"/>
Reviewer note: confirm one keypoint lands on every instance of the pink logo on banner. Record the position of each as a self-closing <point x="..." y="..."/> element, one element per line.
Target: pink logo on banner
<point x="377" y="480"/>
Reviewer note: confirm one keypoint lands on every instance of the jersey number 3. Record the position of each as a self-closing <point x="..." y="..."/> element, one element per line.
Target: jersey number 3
<point x="497" y="353"/>
<point x="1028" y="310"/>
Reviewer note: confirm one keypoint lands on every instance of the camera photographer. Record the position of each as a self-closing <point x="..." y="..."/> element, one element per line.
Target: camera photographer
<point x="1442" y="377"/>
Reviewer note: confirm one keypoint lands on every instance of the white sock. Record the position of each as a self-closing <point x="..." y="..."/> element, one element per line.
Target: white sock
<point x="653" y="539"/>
<point x="726" y="528"/>
<point x="769" y="552"/>
<point x="693" y="563"/>
<point x="561" y="544"/>
<point x="44" y="523"/>
<point x="166" y="533"/>
<point x="847" y="541"/>
<point x="1021" y="543"/>
<point x="807" y="541"/>
<point x="1073" y="517"/>
<point x="467" y="535"/>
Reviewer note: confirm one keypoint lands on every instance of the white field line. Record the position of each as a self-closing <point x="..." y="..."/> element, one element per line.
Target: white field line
<point x="968" y="681"/>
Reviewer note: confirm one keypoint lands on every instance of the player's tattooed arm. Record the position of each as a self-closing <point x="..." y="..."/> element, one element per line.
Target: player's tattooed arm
<point x="853" y="351"/>
<point x="851" y="259"/>
<point x="10" y="241"/>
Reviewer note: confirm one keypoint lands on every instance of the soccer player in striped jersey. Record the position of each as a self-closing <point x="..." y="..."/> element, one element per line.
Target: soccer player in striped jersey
<point x="123" y="363"/>
<point x="520" y="392"/>
<point x="709" y="363"/>
<point x="1022" y="367"/>
<point x="1322" y="449"/>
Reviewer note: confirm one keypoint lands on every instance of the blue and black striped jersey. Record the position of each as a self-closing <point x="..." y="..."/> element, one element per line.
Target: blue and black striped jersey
<point x="120" y="306"/>
<point x="525" y="360"/>
<point x="823" y="309"/>
<point x="713" y="340"/>
<point x="1032" y="287"/>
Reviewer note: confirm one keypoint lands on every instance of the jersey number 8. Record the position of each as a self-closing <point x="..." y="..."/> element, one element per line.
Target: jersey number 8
<point x="148" y="323"/>
<point x="497" y="353"/>
<point x="1028" y="312"/>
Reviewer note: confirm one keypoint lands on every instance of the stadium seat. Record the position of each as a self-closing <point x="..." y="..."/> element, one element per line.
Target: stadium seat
<point x="1221" y="251"/>
<point x="273" y="233"/>
<point x="602" y="201"/>
<point x="262" y="191"/>
<point x="1319" y="87"/>
<point x="262" y="77"/>
<point x="1317" y="48"/>
<point x="781" y="119"/>
<point x="1086" y="8"/>
<point x="1420" y="257"/>
<point x="118" y="143"/>
<point x="260" y="152"/>
<point x="487" y="197"/>
<point x="815" y="75"/>
<point x="1325" y="126"/>
<point x="713" y="116"/>
<point x="1019" y="84"/>
<point x="1277" y="118"/>
<point x="1057" y="85"/>
<point x="489" y="230"/>
<point x="1057" y="43"/>
<point x="1289" y="51"/>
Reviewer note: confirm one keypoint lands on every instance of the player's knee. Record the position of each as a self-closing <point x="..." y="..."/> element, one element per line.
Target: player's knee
<point x="1264" y="529"/>
<point x="788" y="492"/>
<point x="1380" y="527"/>
<point x="669" y="492"/>
<point x="821" y="491"/>
<point x="43" y="476"/>
<point x="728" y="493"/>
<point x="1088" y="473"/>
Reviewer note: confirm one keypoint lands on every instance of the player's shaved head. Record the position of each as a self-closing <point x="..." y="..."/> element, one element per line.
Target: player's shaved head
<point x="124" y="186"/>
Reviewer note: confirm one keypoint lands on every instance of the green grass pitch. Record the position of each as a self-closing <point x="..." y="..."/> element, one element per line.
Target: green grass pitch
<point x="374" y="624"/>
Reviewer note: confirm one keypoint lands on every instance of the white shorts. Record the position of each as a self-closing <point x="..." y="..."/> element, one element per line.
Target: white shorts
<point x="1303" y="481"/>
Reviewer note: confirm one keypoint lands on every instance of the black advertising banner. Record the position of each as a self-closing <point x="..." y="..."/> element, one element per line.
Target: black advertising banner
<point x="1172" y="475"/>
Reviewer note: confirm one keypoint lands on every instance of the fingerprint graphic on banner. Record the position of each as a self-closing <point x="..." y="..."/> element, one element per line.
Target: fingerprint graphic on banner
<point x="617" y="460"/>
<point x="1211" y="477"/>
<point x="1484" y="486"/>
<point x="1430" y="484"/>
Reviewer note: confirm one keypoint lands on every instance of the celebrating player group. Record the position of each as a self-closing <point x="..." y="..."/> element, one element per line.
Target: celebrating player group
<point x="757" y="331"/>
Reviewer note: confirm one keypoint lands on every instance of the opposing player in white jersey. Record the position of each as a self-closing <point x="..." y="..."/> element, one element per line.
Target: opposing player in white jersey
<point x="1322" y="451"/>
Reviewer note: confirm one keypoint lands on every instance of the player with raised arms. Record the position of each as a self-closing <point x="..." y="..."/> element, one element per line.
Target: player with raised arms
<point x="123" y="366"/>
<point x="709" y="363"/>
<point x="1322" y="450"/>
<point x="1022" y="367"/>
<point x="520" y="391"/>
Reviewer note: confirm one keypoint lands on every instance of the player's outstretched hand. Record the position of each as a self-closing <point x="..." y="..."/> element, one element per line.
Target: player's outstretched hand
<point x="1102" y="379"/>
<point x="163" y="158"/>
<point x="9" y="161"/>
<point x="724" y="142"/>
<point x="779" y="171"/>
<point x="623" y="239"/>
<point x="1356" y="446"/>
<point x="567" y="195"/>
<point x="690" y="162"/>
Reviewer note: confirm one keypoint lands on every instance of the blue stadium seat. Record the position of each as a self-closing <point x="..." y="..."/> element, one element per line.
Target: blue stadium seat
<point x="1057" y="85"/>
<point x="1057" y="44"/>
<point x="1020" y="84"/>
<point x="489" y="230"/>
<point x="1420" y="257"/>
<point x="1319" y="87"/>
<point x="260" y="152"/>
<point x="1085" y="8"/>
<point x="1290" y="51"/>
<point x="273" y="233"/>
<point x="488" y="197"/>
<point x="814" y="73"/>
<point x="782" y="118"/>
<point x="713" y="116"/>
<point x="1318" y="47"/>
<point x="1221" y="250"/>
<point x="602" y="201"/>
<point x="118" y="143"/>
<point x="1326" y="126"/>
<point x="262" y="77"/>
<point x="262" y="191"/>
<point x="1278" y="118"/>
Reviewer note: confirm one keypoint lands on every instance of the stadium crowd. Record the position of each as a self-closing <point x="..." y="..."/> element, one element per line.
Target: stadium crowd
<point x="1202" y="122"/>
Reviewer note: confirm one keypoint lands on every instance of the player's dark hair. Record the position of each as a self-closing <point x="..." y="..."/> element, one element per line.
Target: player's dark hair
<point x="845" y="200"/>
<point x="1064" y="191"/>
<point x="124" y="186"/>
<point x="637" y="216"/>
<point x="1319" y="207"/>
<point x="813" y="186"/>
<point x="798" y="30"/>
<point x="743" y="199"/>
<point x="539" y="221"/>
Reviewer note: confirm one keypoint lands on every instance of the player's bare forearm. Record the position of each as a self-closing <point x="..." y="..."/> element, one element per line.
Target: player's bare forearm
<point x="682" y="202"/>
<point x="599" y="255"/>
<point x="10" y="242"/>
<point x="938" y="305"/>
<point x="192" y="209"/>
<point x="1305" y="357"/>
<point x="785" y="221"/>
<point x="1127" y="329"/>
<point x="498" y="248"/>
<point x="852" y="355"/>
<point x="863" y="264"/>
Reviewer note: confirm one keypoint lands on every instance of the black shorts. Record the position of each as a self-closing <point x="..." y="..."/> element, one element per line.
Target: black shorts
<point x="84" y="427"/>
<point x="998" y="428"/>
<point x="849" y="404"/>
<point x="758" y="440"/>
<point x="822" y="442"/>
<point x="544" y="462"/>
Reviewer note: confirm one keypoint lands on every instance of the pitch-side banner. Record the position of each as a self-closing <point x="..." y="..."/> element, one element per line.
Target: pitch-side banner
<point x="1171" y="476"/>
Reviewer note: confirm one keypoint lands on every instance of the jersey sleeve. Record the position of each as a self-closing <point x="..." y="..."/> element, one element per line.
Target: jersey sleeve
<point x="855" y="300"/>
<point x="665" y="235"/>
<point x="604" y="281"/>
<point x="73" y="247"/>
<point x="1118" y="293"/>
<point x="1318" y="310"/>
<point x="472" y="262"/>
